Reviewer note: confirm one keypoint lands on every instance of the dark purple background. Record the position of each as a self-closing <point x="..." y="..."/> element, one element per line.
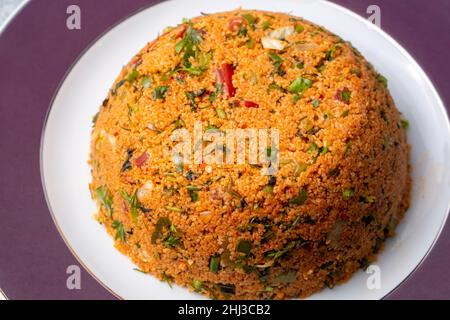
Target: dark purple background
<point x="36" y="50"/>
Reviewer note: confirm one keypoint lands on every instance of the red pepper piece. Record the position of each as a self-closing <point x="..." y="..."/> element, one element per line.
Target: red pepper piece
<point x="251" y="104"/>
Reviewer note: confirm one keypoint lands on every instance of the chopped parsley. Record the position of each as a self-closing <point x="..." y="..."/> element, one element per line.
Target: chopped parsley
<point x="214" y="263"/>
<point x="167" y="278"/>
<point x="104" y="196"/>
<point x="192" y="95"/>
<point x="348" y="193"/>
<point x="193" y="193"/>
<point x="346" y="95"/>
<point x="160" y="93"/>
<point x="277" y="63"/>
<point x="197" y="285"/>
<point x="251" y="20"/>
<point x="189" y="46"/>
<point x="133" y="203"/>
<point x="299" y="28"/>
<point x="286" y="277"/>
<point x="244" y="246"/>
<point x="216" y="93"/>
<point x="381" y="79"/>
<point x="300" y="198"/>
<point x="221" y="113"/>
<point x="166" y="231"/>
<point x="132" y="76"/>
<point x="404" y="123"/>
<point x="120" y="231"/>
<point x="299" y="85"/>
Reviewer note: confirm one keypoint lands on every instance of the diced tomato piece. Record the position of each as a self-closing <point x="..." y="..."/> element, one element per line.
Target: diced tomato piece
<point x="224" y="76"/>
<point x="227" y="75"/>
<point x="251" y="104"/>
<point x="142" y="159"/>
<point x="235" y="24"/>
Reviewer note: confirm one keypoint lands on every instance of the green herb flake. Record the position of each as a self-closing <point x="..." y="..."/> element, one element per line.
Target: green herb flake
<point x="346" y="95"/>
<point x="300" y="198"/>
<point x="190" y="39"/>
<point x="268" y="189"/>
<point x="160" y="224"/>
<point x="95" y="118"/>
<point x="133" y="203"/>
<point x="172" y="239"/>
<point x="244" y="246"/>
<point x="378" y="244"/>
<point x="216" y="93"/>
<point x="132" y="76"/>
<point x="348" y="194"/>
<point x="316" y="103"/>
<point x="202" y="64"/>
<point x="381" y="79"/>
<point x="277" y="63"/>
<point x="174" y="209"/>
<point x="265" y="25"/>
<point x="167" y="278"/>
<point x="192" y="95"/>
<point x="139" y="270"/>
<point x="348" y="148"/>
<point x="330" y="54"/>
<point x="251" y="20"/>
<point x="299" y="28"/>
<point x="299" y="168"/>
<point x="120" y="231"/>
<point x="404" y="123"/>
<point x="296" y="97"/>
<point x="214" y="264"/>
<point x="104" y="196"/>
<point x="286" y="277"/>
<point x="118" y="86"/>
<point x="356" y="71"/>
<point x="197" y="285"/>
<point x="221" y="113"/>
<point x="250" y="43"/>
<point x="345" y="113"/>
<point x="369" y="199"/>
<point x="242" y="31"/>
<point x="384" y="116"/>
<point x="274" y="86"/>
<point x="275" y="57"/>
<point x="212" y="128"/>
<point x="160" y="92"/>
<point x="193" y="194"/>
<point x="299" y="85"/>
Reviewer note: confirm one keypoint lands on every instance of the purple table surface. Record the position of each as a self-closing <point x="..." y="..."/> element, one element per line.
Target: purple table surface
<point x="36" y="50"/>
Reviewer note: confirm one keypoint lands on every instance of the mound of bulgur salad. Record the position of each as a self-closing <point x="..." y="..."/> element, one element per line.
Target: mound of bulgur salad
<point x="224" y="229"/>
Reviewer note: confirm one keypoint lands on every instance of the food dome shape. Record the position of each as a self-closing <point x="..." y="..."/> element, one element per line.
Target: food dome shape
<point x="318" y="181"/>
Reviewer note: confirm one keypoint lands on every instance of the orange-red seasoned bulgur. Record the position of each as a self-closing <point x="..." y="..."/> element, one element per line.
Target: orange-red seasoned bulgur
<point x="227" y="231"/>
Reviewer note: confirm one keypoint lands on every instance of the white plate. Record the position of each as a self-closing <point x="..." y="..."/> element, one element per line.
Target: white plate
<point x="65" y="144"/>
